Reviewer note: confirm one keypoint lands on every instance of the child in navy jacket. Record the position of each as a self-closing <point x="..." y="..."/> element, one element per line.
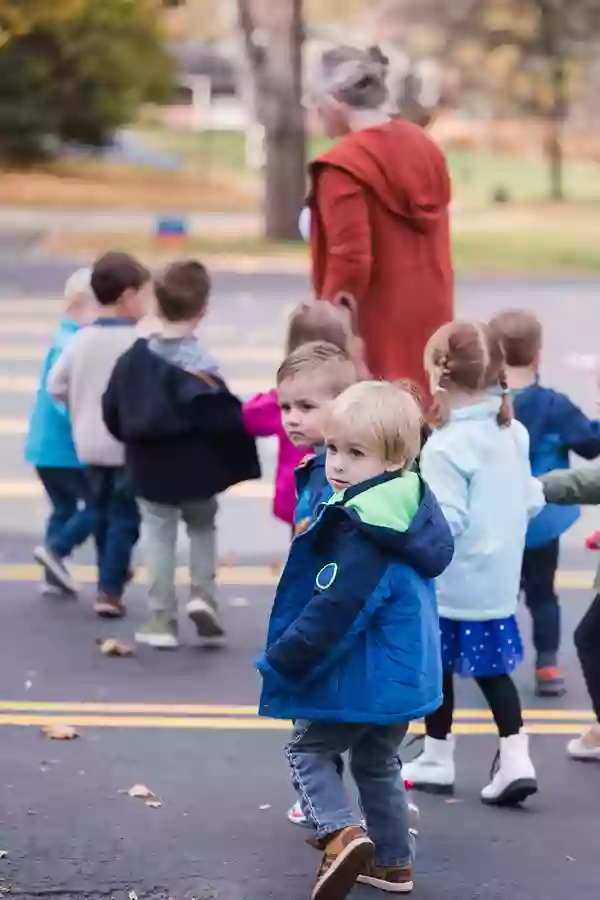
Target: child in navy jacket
<point x="353" y="651"/>
<point x="556" y="427"/>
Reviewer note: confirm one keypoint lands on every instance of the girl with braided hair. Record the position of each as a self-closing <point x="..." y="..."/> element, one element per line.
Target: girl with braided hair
<point x="477" y="464"/>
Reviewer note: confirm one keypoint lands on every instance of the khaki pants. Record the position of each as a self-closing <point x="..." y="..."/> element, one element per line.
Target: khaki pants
<point x="159" y="532"/>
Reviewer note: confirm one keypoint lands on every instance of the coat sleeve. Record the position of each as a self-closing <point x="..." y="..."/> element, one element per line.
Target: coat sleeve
<point x="262" y="417"/>
<point x="60" y="375"/>
<point x="573" y="487"/>
<point x="449" y="485"/>
<point x="579" y="434"/>
<point x="343" y="210"/>
<point x="345" y="587"/>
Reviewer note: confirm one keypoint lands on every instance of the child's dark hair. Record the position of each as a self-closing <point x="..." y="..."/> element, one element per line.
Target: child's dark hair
<point x="114" y="273"/>
<point x="520" y="334"/>
<point x="182" y="291"/>
<point x="466" y="356"/>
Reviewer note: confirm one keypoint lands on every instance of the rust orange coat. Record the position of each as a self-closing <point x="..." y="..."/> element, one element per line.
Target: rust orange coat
<point x="380" y="231"/>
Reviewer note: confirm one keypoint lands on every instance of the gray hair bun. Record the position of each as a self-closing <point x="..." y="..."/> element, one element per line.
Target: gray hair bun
<point x="356" y="77"/>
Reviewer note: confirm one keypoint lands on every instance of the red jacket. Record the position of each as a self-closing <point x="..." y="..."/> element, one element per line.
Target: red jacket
<point x="380" y="231"/>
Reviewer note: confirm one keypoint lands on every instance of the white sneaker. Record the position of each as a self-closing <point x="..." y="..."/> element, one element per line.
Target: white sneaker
<point x="587" y="745"/>
<point x="514" y="778"/>
<point x="56" y="567"/>
<point x="433" y="771"/>
<point x="205" y="617"/>
<point x="295" y="814"/>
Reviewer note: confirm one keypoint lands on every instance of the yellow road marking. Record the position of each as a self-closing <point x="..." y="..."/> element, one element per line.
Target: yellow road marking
<point x="27" y="384"/>
<point x="13" y="427"/>
<point x="223" y="723"/>
<point x="240" y="576"/>
<point x="230" y="354"/>
<point x="31" y="489"/>
<point x="220" y="710"/>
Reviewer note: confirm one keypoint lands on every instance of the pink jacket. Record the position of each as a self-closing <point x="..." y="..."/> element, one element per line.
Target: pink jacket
<point x="262" y="418"/>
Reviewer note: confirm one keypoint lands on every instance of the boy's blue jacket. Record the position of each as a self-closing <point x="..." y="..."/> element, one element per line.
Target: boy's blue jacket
<point x="49" y="441"/>
<point x="312" y="489"/>
<point x="556" y="427"/>
<point x="354" y="631"/>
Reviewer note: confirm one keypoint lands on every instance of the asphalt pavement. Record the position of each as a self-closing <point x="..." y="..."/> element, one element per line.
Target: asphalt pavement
<point x="184" y="723"/>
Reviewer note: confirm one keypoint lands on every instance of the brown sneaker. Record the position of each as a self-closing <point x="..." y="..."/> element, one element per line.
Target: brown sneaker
<point x="393" y="879"/>
<point x="107" y="606"/>
<point x="347" y="853"/>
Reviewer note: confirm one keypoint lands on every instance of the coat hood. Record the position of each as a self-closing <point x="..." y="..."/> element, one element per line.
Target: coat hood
<point x="399" y="163"/>
<point x="399" y="513"/>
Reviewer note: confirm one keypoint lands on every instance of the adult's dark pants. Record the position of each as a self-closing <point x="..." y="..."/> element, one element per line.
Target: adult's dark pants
<point x="587" y="642"/>
<point x="537" y="582"/>
<point x="70" y="521"/>
<point x="116" y="526"/>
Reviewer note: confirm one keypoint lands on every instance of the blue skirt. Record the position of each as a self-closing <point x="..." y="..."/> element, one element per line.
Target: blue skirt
<point x="481" y="649"/>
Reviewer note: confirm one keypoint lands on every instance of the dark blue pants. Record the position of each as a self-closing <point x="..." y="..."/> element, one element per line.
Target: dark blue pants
<point x="116" y="526"/>
<point x="587" y="641"/>
<point x="70" y="521"/>
<point x="537" y="581"/>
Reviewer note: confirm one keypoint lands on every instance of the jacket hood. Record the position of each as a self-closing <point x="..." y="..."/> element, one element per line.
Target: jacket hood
<point x="399" y="513"/>
<point x="401" y="165"/>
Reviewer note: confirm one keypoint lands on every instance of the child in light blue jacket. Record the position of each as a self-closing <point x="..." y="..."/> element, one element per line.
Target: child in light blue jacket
<point x="477" y="464"/>
<point x="49" y="448"/>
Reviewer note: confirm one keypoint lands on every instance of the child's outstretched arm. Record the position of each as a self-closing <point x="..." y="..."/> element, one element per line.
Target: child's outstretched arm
<point x="342" y="590"/>
<point x="573" y="487"/>
<point x="262" y="417"/>
<point x="579" y="434"/>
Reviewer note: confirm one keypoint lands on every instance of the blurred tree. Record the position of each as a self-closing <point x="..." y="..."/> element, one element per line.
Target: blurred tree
<point x="520" y="55"/>
<point x="19" y="17"/>
<point x="273" y="40"/>
<point x="78" y="76"/>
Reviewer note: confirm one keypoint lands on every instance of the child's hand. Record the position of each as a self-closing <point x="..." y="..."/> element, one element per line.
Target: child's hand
<point x="593" y="541"/>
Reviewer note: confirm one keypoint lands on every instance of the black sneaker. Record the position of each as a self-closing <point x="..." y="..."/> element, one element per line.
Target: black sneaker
<point x="56" y="569"/>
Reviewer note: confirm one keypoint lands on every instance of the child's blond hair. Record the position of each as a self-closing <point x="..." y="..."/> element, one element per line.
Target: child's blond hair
<point x="381" y="416"/>
<point x="333" y="365"/>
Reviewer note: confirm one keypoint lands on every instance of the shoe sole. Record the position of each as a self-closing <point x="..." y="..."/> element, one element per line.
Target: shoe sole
<point x="343" y="873"/>
<point x="205" y="620"/>
<point x="443" y="790"/>
<point x="42" y="557"/>
<point x="549" y="691"/>
<point x="109" y="612"/>
<point x="158" y="641"/>
<point x="387" y="886"/>
<point x="592" y="757"/>
<point x="514" y="794"/>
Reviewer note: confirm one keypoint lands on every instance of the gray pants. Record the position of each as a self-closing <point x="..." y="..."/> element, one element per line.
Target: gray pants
<point x="159" y="532"/>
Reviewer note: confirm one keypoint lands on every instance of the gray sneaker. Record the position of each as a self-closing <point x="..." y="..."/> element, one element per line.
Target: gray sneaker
<point x="55" y="568"/>
<point x="205" y="617"/>
<point x="159" y="632"/>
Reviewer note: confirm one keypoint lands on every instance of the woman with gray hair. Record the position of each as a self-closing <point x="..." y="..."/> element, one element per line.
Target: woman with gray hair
<point x="379" y="221"/>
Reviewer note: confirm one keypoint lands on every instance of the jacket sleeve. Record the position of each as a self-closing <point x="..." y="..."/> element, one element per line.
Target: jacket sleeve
<point x="579" y="434"/>
<point x="59" y="375"/>
<point x="262" y="417"/>
<point x="343" y="209"/>
<point x="110" y="406"/>
<point x="573" y="487"/>
<point x="346" y="585"/>
<point x="449" y="485"/>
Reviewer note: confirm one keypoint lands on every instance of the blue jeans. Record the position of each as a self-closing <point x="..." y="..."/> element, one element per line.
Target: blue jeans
<point x="313" y="754"/>
<point x="71" y="520"/>
<point x="116" y="526"/>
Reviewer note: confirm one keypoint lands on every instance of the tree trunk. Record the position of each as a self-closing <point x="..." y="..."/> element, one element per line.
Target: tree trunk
<point x="277" y="70"/>
<point x="554" y="145"/>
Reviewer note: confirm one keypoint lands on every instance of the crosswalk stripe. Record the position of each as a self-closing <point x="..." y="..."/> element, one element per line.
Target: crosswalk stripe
<point x="29" y="489"/>
<point x="240" y="576"/>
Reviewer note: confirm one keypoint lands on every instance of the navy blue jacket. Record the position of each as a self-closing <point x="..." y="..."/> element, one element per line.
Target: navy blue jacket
<point x="556" y="427"/>
<point x="312" y="488"/>
<point x="183" y="431"/>
<point x="354" y="630"/>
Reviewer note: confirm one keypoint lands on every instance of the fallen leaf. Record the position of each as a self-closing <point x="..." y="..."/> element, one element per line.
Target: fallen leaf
<point x="239" y="602"/>
<point x="153" y="804"/>
<point x="265" y="806"/>
<point x="28" y="684"/>
<point x="132" y="895"/>
<point x="141" y="791"/>
<point x="57" y="732"/>
<point x="570" y="858"/>
<point x="113" y="647"/>
<point x="452" y="800"/>
<point x="3" y="854"/>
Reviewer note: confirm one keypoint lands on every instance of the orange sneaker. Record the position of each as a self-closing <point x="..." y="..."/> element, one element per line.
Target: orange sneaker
<point x="549" y="682"/>
<point x="347" y="853"/>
